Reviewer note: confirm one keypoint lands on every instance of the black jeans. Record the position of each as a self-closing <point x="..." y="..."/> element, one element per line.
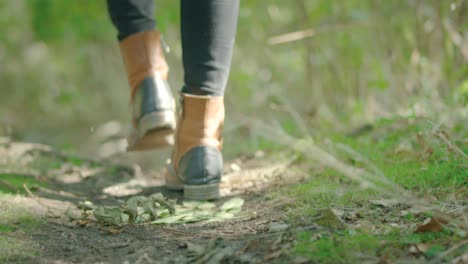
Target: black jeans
<point x="208" y="29"/>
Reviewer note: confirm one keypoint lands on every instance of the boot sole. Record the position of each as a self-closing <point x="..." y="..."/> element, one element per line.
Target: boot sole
<point x="191" y="192"/>
<point x="202" y="192"/>
<point x="155" y="130"/>
<point x="173" y="183"/>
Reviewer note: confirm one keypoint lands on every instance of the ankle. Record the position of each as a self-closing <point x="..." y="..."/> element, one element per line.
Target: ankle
<point x="199" y="91"/>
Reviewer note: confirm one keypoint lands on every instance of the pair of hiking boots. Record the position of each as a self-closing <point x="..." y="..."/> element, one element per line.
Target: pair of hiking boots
<point x="196" y="163"/>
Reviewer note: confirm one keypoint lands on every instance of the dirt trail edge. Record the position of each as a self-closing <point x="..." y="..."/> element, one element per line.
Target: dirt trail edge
<point x="59" y="181"/>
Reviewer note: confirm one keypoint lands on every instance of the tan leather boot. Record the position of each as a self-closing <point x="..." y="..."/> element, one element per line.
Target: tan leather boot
<point x="152" y="103"/>
<point x="197" y="163"/>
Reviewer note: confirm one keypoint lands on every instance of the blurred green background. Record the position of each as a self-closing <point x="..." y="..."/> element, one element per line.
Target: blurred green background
<point x="355" y="61"/>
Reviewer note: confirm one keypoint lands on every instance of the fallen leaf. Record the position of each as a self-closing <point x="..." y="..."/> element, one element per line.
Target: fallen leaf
<point x="86" y="205"/>
<point x="277" y="227"/>
<point x="350" y="216"/>
<point x="403" y="147"/>
<point x="197" y="217"/>
<point x="159" y="198"/>
<point x="328" y="218"/>
<point x="157" y="210"/>
<point x="387" y="203"/>
<point x="234" y="204"/>
<point x="168" y="220"/>
<point x="131" y="206"/>
<point x="432" y="224"/>
<point x="111" y="215"/>
<point x="339" y="213"/>
<point x="220" y="216"/>
<point x="83" y="222"/>
<point x="113" y="231"/>
<point x="419" y="249"/>
<point x="198" y="205"/>
<point x="70" y="214"/>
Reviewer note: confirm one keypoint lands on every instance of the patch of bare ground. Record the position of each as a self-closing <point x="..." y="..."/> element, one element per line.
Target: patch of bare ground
<point x="254" y="235"/>
<point x="244" y="240"/>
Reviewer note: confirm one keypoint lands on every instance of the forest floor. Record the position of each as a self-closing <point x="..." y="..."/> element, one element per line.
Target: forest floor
<point x="40" y="184"/>
<point x="314" y="202"/>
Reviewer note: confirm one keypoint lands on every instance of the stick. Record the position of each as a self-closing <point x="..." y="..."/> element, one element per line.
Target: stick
<point x="307" y="33"/>
<point x="448" y="251"/>
<point x="450" y="144"/>
<point x="35" y="198"/>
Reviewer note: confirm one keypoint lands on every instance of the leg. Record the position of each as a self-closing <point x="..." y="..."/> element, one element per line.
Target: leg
<point x="153" y="106"/>
<point x="131" y="16"/>
<point x="208" y="32"/>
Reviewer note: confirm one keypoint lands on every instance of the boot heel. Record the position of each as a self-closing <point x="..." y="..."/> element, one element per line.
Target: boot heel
<point x="173" y="183"/>
<point x="154" y="130"/>
<point x="202" y="192"/>
<point x="155" y="121"/>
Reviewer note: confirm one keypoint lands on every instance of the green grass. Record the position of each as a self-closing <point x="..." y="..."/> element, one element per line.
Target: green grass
<point x="15" y="249"/>
<point x="355" y="246"/>
<point x="15" y="183"/>
<point x="16" y="225"/>
<point x="14" y="214"/>
<point x="410" y="156"/>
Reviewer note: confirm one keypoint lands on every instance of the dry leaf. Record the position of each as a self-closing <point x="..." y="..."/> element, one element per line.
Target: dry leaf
<point x="111" y="215"/>
<point x="168" y="220"/>
<point x="114" y="231"/>
<point x="158" y="210"/>
<point x="328" y="218"/>
<point x="387" y="203"/>
<point x="83" y="222"/>
<point x="433" y="224"/>
<point x="86" y="206"/>
<point x="233" y="205"/>
<point x="339" y="213"/>
<point x="277" y="227"/>
<point x="419" y="249"/>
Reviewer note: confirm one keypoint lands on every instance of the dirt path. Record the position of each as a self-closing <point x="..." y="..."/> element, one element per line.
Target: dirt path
<point x="254" y="235"/>
<point x="232" y="241"/>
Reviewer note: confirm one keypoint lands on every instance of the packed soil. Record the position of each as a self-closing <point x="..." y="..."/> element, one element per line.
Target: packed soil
<point x="256" y="234"/>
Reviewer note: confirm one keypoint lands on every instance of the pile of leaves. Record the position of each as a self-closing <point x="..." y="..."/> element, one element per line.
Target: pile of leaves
<point x="154" y="209"/>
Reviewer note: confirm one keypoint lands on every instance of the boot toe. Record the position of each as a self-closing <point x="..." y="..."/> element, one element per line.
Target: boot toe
<point x="201" y="165"/>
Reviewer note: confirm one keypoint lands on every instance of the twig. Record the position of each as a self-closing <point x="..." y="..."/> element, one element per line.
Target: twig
<point x="307" y="33"/>
<point x="450" y="144"/>
<point x="293" y="36"/>
<point x="35" y="198"/>
<point x="449" y="251"/>
<point x="360" y="175"/>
